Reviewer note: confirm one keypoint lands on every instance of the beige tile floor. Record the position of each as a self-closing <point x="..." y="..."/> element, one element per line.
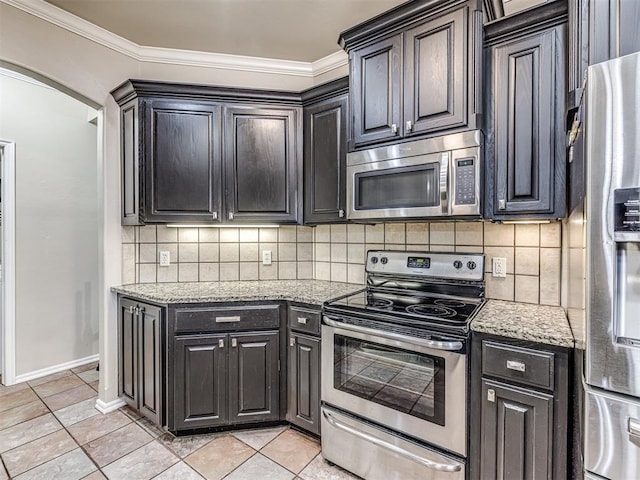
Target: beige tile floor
<point x="50" y="429"/>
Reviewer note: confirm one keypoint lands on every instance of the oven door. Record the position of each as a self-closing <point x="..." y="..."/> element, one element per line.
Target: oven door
<point x="414" y="386"/>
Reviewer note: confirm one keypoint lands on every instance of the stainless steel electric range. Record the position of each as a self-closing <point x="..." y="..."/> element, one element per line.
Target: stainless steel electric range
<point x="395" y="366"/>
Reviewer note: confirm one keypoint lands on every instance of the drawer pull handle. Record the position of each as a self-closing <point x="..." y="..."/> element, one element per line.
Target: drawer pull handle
<point x="292" y="342"/>
<point x="235" y="318"/>
<point x="517" y="366"/>
<point x="633" y="427"/>
<point x="303" y="320"/>
<point x="491" y="395"/>
<point x="234" y="342"/>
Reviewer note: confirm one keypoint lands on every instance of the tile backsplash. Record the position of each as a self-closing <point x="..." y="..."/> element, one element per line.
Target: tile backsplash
<point x="338" y="252"/>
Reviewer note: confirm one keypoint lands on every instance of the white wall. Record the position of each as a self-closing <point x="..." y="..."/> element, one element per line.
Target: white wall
<point x="57" y="224"/>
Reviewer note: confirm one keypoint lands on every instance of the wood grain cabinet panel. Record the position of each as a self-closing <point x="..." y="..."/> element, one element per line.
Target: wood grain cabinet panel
<point x="304" y="382"/>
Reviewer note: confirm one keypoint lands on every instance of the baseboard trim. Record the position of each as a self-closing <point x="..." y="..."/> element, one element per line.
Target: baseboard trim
<point x="108" y="407"/>
<point x="25" y="377"/>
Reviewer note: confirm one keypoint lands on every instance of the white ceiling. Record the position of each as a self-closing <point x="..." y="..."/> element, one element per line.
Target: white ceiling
<point x="302" y="30"/>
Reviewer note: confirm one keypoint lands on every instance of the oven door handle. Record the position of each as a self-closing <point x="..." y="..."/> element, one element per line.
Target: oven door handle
<point x="450" y="346"/>
<point x="441" y="467"/>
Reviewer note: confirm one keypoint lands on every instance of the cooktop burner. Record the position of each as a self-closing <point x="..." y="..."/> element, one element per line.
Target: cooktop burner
<point x="432" y="311"/>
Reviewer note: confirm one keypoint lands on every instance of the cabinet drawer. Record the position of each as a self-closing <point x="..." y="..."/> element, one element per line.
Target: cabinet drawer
<point x="522" y="365"/>
<point x="304" y="320"/>
<point x="248" y="317"/>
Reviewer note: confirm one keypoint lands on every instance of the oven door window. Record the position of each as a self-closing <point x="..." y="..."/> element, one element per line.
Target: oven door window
<point x="406" y="187"/>
<point x="409" y="382"/>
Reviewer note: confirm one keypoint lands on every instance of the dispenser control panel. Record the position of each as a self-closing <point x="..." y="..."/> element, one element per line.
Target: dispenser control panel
<point x="627" y="209"/>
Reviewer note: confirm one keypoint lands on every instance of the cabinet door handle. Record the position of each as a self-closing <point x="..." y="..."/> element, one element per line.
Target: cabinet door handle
<point x="408" y="125"/>
<point x="292" y="342"/>
<point x="230" y="215"/>
<point x="633" y="427"/>
<point x="341" y="213"/>
<point x="517" y="366"/>
<point x="131" y="309"/>
<point x="394" y="128"/>
<point x="140" y="310"/>
<point x="491" y="395"/>
<point x="137" y="311"/>
<point x="234" y="342"/>
<point x="502" y="204"/>
<point x="303" y="320"/>
<point x="221" y="343"/>
<point x="215" y="215"/>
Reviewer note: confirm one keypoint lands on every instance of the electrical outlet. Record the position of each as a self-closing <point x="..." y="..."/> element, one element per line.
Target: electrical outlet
<point x="499" y="267"/>
<point x="266" y="257"/>
<point x="165" y="258"/>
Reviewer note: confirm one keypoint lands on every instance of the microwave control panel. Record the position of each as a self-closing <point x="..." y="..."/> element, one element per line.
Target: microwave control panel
<point x="465" y="181"/>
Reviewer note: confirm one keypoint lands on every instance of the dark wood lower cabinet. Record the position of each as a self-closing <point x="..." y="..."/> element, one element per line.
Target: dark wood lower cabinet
<point x="304" y="382"/>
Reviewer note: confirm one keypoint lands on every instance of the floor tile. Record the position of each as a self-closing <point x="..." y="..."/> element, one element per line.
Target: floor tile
<point x="117" y="444"/>
<point x="95" y="385"/>
<point x="85" y="367"/>
<point x="319" y="469"/>
<point x="219" y="457"/>
<point x="70" y="466"/>
<point x="185" y="445"/>
<point x="292" y="450"/>
<point x="77" y="412"/>
<point x="17" y="398"/>
<point x="3" y="473"/>
<point x="130" y="412"/>
<point x="22" y="413"/>
<point x="150" y="427"/>
<point x="97" y="426"/>
<point x="69" y="397"/>
<point x="57" y="386"/>
<point x="28" y="431"/>
<point x="89" y="376"/>
<point x="141" y="464"/>
<point x="260" y="437"/>
<point x="260" y="467"/>
<point x="39" y="451"/>
<point x="97" y="475"/>
<point x="180" y="471"/>
<point x="4" y="390"/>
<point x="50" y="378"/>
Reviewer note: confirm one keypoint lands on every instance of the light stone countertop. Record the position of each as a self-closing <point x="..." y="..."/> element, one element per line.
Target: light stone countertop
<point x="313" y="292"/>
<point x="524" y="321"/>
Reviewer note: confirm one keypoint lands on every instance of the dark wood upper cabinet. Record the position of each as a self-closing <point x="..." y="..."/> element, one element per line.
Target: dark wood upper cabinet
<point x="525" y="112"/>
<point x="325" y="150"/>
<point x="415" y="71"/>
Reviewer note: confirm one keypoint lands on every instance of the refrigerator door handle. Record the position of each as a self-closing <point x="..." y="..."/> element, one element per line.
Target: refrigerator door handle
<point x="633" y="427"/>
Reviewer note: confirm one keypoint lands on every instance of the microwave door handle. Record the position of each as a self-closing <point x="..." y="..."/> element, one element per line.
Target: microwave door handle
<point x="444" y="183"/>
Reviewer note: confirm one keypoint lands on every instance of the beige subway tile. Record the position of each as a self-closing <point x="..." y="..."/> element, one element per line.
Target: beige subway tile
<point x="373" y="246"/>
<point x="527" y="261"/>
<point x="323" y="252"/>
<point x="209" y="272"/>
<point x="417" y="247"/>
<point x="442" y="233"/>
<point x="395" y="233"/>
<point x="209" y="252"/>
<point x="268" y="272"/>
<point x="469" y="233"/>
<point x="229" y="252"/>
<point x="305" y="252"/>
<point x="187" y="235"/>
<point x="147" y="234"/>
<point x="355" y="233"/>
<point x="500" y="288"/>
<point x="167" y="234"/>
<point x="188" y="272"/>
<point x="442" y="248"/>
<point x="250" y="252"/>
<point x="469" y="248"/>
<point x="374" y="233"/>
<point x="168" y="274"/>
<point x="249" y="271"/>
<point x="272" y="247"/>
<point x="287" y="252"/>
<point x="209" y="235"/>
<point x="527" y="289"/>
<point x="338" y="272"/>
<point x="356" y="253"/>
<point x="268" y="235"/>
<point x="355" y="273"/>
<point x="128" y="263"/>
<point x="287" y="270"/>
<point x="339" y="233"/>
<point x="323" y="271"/>
<point x="550" y="277"/>
<point x="498" y="235"/>
<point x="551" y="235"/>
<point x="229" y="235"/>
<point x="287" y="233"/>
<point x="528" y="235"/>
<point x="148" y="253"/>
<point x="188" y="253"/>
<point x="229" y="271"/>
<point x="501" y="252"/>
<point x="128" y="234"/>
<point x="249" y="235"/>
<point x="418" y="233"/>
<point x="305" y="270"/>
<point x="339" y="252"/>
<point x="323" y="233"/>
<point x="400" y="247"/>
<point x="304" y="234"/>
<point x="147" y="272"/>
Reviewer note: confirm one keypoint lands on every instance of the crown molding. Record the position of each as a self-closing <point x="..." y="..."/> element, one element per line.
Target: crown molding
<point x="101" y="36"/>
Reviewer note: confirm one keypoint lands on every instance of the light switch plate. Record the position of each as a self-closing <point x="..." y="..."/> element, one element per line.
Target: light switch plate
<point x="499" y="267"/>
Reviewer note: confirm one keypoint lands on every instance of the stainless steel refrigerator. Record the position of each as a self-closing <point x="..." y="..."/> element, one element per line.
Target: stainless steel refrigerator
<point x="612" y="366"/>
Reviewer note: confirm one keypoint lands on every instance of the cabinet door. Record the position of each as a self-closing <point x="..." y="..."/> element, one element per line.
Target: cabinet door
<point x="517" y="433"/>
<point x="304" y="382"/>
<point x="254" y="380"/>
<point x="150" y="362"/>
<point x="435" y="74"/>
<point x="528" y="105"/>
<point x="325" y="151"/>
<point x="261" y="156"/>
<point x="182" y="161"/>
<point x="376" y="89"/>
<point x="129" y="153"/>
<point x="200" y="382"/>
<point x="128" y="352"/>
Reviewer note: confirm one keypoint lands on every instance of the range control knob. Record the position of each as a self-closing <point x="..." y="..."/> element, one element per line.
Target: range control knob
<point x="384" y="260"/>
<point x="471" y="265"/>
<point x="457" y="264"/>
<point x="374" y="260"/>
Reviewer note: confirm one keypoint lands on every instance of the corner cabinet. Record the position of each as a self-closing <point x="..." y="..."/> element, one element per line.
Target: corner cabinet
<point x="140" y="364"/>
<point x="525" y="111"/>
<point x="414" y="71"/>
<point x="325" y="116"/>
<point x="172" y="141"/>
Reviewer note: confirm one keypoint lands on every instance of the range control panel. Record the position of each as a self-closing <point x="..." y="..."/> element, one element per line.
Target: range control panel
<point x="460" y="266"/>
<point x="465" y="181"/>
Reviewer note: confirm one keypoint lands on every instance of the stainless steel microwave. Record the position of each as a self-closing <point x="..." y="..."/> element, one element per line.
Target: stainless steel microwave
<point x="431" y="178"/>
